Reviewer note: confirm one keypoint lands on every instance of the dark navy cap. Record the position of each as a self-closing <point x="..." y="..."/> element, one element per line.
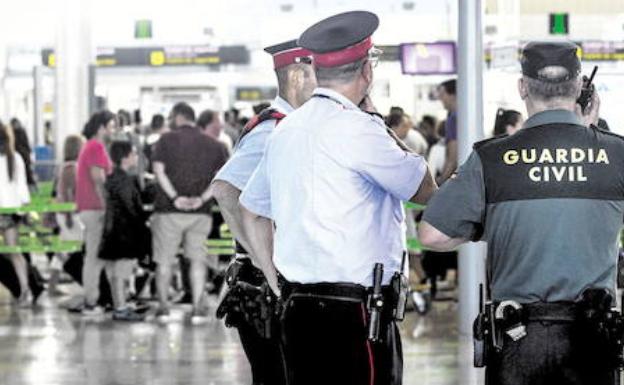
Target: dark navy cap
<point x="287" y="53"/>
<point x="538" y="55"/>
<point x="340" y="39"/>
<point x="281" y="47"/>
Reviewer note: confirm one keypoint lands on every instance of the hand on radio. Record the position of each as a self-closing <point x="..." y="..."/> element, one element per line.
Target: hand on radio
<point x="592" y="112"/>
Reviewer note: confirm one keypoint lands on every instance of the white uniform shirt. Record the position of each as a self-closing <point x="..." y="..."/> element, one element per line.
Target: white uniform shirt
<point x="333" y="180"/>
<point x="437" y="158"/>
<point x="249" y="150"/>
<point x="13" y="193"/>
<point x="416" y="142"/>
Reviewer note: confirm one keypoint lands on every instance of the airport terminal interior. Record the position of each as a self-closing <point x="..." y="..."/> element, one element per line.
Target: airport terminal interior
<point x="64" y="64"/>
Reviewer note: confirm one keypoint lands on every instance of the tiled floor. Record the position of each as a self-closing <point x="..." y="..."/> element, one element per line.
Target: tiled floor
<point x="48" y="346"/>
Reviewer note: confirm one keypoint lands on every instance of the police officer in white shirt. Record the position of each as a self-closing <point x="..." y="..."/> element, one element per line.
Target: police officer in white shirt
<point x="296" y="81"/>
<point x="329" y="190"/>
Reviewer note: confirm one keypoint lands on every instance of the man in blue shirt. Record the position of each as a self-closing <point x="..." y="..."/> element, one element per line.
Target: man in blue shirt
<point x="447" y="93"/>
<point x="330" y="187"/>
<point x="296" y="81"/>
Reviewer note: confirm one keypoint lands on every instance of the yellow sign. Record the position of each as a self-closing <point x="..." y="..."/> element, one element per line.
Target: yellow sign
<point x="157" y="58"/>
<point x="106" y="62"/>
<point x="52" y="60"/>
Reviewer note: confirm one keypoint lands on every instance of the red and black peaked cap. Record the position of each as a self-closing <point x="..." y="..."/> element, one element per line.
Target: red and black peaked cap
<point x="288" y="53"/>
<point x="340" y="39"/>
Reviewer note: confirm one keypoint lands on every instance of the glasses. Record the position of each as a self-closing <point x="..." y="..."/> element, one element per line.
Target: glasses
<point x="373" y="56"/>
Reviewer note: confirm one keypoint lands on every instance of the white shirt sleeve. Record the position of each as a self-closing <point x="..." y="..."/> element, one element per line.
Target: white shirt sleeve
<point x="375" y="155"/>
<point x="256" y="196"/>
<point x="247" y="155"/>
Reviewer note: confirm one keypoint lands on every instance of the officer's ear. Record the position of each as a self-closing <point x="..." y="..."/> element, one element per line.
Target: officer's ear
<point x="522" y="89"/>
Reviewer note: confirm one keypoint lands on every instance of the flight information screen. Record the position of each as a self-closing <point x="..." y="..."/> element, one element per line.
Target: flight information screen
<point x="429" y="58"/>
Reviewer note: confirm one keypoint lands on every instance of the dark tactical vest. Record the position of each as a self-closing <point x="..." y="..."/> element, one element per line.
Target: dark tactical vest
<point x="554" y="206"/>
<point x="553" y="161"/>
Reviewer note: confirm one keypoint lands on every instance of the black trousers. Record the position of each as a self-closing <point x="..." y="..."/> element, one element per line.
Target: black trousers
<point x="325" y="342"/>
<point x="551" y="353"/>
<point x="436" y="265"/>
<point x="265" y="356"/>
<point x="8" y="277"/>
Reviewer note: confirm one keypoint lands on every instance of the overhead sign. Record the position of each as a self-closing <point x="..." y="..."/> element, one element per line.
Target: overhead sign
<point x="429" y="58"/>
<point x="390" y="52"/>
<point x="502" y="57"/>
<point x="602" y="50"/>
<point x="183" y="55"/>
<point x="255" y="94"/>
<point x="22" y="60"/>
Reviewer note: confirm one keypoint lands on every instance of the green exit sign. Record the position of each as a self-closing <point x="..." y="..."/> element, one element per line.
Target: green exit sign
<point x="558" y="23"/>
<point x="143" y="29"/>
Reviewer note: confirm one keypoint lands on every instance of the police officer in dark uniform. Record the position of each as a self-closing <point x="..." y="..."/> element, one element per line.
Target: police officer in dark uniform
<point x="332" y="181"/>
<point x="549" y="201"/>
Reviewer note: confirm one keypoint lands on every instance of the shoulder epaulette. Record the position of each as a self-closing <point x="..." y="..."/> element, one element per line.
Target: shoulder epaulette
<point x="482" y="143"/>
<point x="603" y="131"/>
<point x="264" y="115"/>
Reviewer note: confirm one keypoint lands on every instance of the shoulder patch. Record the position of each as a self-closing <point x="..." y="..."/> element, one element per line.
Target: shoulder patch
<point x="263" y="116"/>
<point x="482" y="143"/>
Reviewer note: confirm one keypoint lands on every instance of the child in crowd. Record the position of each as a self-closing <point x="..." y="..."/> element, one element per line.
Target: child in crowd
<point x="126" y="237"/>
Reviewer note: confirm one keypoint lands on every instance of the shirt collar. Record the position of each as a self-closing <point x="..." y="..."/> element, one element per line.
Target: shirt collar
<point x="337" y="97"/>
<point x="552" y="116"/>
<point x="282" y="105"/>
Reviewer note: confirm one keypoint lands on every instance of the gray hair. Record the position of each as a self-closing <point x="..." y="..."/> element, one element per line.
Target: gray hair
<point x="341" y="74"/>
<point x="545" y="91"/>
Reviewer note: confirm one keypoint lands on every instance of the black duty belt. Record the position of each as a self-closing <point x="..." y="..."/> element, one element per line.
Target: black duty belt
<point x="550" y="311"/>
<point x="346" y="292"/>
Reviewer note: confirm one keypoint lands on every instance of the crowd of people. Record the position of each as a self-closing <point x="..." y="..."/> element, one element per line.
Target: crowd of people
<point x="138" y="197"/>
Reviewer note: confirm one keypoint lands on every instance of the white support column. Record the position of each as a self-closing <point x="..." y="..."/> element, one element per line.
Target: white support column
<point x="38" y="134"/>
<point x="470" y="129"/>
<point x="73" y="55"/>
<point x="4" y="97"/>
